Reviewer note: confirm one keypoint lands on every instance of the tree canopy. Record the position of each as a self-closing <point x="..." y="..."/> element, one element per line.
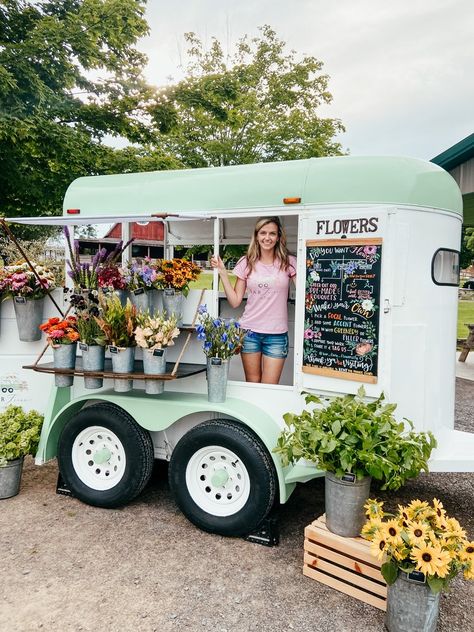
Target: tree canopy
<point x="259" y="105"/>
<point x="69" y="75"/>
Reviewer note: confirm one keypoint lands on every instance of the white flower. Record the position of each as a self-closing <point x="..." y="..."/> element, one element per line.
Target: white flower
<point x="314" y="275"/>
<point x="368" y="304"/>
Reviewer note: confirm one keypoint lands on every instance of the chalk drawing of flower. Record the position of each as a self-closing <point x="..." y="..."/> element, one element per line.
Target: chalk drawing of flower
<point x="370" y="250"/>
<point x="368" y="304"/>
<point x="314" y="275"/>
<point x="308" y="334"/>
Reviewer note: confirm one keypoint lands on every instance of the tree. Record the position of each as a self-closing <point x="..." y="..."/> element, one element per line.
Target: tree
<point x="69" y="74"/>
<point x="260" y="106"/>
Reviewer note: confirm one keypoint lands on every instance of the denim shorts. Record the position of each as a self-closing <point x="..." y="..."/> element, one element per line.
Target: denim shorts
<point x="271" y="345"/>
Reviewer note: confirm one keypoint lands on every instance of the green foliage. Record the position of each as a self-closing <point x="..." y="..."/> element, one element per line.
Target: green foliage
<point x="389" y="572"/>
<point x="467" y="247"/>
<point x="19" y="433"/>
<point x="260" y="106"/>
<point x="117" y="322"/>
<point x="352" y="435"/>
<point x="69" y="74"/>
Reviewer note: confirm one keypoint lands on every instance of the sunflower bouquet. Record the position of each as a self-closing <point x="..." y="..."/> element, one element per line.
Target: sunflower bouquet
<point x="177" y="274"/>
<point x="419" y="537"/>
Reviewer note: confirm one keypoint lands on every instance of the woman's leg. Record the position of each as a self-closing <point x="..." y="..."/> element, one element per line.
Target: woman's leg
<point x="252" y="366"/>
<point x="272" y="368"/>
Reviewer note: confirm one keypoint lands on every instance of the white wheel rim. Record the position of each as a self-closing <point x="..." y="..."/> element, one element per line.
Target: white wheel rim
<point x="98" y="458"/>
<point x="217" y="481"/>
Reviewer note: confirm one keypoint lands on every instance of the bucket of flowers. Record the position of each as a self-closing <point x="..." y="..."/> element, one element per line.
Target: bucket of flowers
<point x="422" y="550"/>
<point x="62" y="335"/>
<point x="222" y="338"/>
<point x="28" y="291"/>
<point x="140" y="279"/>
<point x="175" y="277"/>
<point x="91" y="338"/>
<point x="154" y="334"/>
<point x="110" y="275"/>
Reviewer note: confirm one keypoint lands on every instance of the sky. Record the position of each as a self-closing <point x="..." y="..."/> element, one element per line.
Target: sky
<point x="401" y="73"/>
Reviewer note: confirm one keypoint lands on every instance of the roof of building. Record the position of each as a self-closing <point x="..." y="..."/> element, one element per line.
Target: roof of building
<point x="456" y="155"/>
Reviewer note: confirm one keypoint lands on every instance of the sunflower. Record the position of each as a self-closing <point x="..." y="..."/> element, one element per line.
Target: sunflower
<point x="467" y="552"/>
<point x="438" y="508"/>
<point x="443" y="563"/>
<point x="426" y="558"/>
<point x="454" y="529"/>
<point x="379" y="544"/>
<point x="469" y="572"/>
<point x="417" y="509"/>
<point x="373" y="508"/>
<point x="403" y="515"/>
<point x="417" y="532"/>
<point x="370" y="528"/>
<point x="394" y="532"/>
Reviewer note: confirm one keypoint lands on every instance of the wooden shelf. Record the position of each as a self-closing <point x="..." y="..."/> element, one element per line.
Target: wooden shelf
<point x="184" y="370"/>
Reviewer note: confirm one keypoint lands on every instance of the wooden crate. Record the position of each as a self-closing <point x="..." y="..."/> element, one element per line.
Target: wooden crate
<point x="345" y="564"/>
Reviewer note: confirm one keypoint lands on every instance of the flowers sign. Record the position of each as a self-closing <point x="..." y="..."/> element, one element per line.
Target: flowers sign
<point x="419" y="537"/>
<point x="222" y="338"/>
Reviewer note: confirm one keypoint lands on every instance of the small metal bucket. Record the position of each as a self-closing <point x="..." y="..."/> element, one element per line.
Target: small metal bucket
<point x="93" y="359"/>
<point x="123" y="359"/>
<point x="411" y="605"/>
<point x="173" y="304"/>
<point x="344" y="502"/>
<point x="141" y="299"/>
<point x="156" y="301"/>
<point x="29" y="316"/>
<point x="154" y="363"/>
<point x="64" y="357"/>
<point x="10" y="478"/>
<point x="217" y="374"/>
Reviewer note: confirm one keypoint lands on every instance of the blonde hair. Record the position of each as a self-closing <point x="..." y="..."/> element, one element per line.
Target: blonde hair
<point x="281" y="250"/>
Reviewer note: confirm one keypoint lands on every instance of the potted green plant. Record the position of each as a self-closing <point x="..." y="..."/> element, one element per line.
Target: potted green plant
<point x="19" y="436"/>
<point x="154" y="334"/>
<point x="222" y="338"/>
<point x="353" y="440"/>
<point x="422" y="550"/>
<point x="118" y="323"/>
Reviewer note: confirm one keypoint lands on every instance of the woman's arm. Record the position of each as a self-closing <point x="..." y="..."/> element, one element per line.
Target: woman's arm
<point x="234" y="294"/>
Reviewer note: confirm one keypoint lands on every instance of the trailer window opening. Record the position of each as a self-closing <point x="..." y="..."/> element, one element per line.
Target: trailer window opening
<point x="445" y="267"/>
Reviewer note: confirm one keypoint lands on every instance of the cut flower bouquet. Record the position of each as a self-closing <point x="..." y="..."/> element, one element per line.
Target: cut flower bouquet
<point x="221" y="337"/>
<point x="19" y="280"/>
<point x="177" y="274"/>
<point x="61" y="331"/>
<point x="419" y="537"/>
<point x="155" y="332"/>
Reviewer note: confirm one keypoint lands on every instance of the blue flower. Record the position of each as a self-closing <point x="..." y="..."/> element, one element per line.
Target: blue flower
<point x="199" y="329"/>
<point x="202" y="309"/>
<point x="217" y="322"/>
<point x="224" y="337"/>
<point x="207" y="346"/>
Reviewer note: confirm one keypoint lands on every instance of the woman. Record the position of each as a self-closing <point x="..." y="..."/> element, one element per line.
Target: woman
<point x="265" y="273"/>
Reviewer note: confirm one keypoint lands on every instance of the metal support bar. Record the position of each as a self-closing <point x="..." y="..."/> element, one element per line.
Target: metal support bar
<point x="188" y="338"/>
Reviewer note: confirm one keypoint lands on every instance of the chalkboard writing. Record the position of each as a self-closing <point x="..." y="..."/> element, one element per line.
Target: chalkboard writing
<point x="342" y="308"/>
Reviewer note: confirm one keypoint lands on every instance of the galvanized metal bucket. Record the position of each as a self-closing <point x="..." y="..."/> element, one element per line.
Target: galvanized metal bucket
<point x="93" y="359"/>
<point x="173" y="304"/>
<point x="345" y="501"/>
<point x="411" y="605"/>
<point x="10" y="478"/>
<point x="123" y="359"/>
<point x="154" y="363"/>
<point x="141" y="299"/>
<point x="29" y="316"/>
<point x="217" y="374"/>
<point x="156" y="301"/>
<point x="64" y="357"/>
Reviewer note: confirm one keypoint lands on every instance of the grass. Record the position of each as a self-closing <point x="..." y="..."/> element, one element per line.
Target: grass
<point x="204" y="280"/>
<point x="465" y="315"/>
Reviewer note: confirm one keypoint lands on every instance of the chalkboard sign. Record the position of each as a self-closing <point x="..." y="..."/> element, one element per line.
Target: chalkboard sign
<point x="342" y="308"/>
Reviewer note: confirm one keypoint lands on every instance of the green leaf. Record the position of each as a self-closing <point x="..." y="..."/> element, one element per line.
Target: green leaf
<point x="435" y="583"/>
<point x="389" y="572"/>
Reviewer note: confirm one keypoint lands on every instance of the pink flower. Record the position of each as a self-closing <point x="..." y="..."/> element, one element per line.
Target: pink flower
<point x="308" y="334"/>
<point x="57" y="334"/>
<point x="370" y="250"/>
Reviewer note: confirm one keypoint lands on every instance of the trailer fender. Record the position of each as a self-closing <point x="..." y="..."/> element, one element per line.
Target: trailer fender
<point x="160" y="412"/>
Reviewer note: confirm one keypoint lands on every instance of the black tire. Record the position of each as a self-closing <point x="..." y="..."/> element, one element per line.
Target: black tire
<point x="231" y="507"/>
<point x="82" y="456"/>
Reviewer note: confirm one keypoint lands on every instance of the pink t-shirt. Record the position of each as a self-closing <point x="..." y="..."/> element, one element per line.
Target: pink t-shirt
<point x="266" y="311"/>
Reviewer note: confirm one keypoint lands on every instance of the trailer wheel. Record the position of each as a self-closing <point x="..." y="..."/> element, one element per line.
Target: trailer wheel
<point x="104" y="456"/>
<point x="222" y="478"/>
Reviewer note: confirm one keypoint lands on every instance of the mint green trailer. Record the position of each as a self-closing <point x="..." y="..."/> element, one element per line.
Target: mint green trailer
<point x="223" y="471"/>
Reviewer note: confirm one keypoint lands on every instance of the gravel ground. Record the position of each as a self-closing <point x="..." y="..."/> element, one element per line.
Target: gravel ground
<point x="66" y="566"/>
